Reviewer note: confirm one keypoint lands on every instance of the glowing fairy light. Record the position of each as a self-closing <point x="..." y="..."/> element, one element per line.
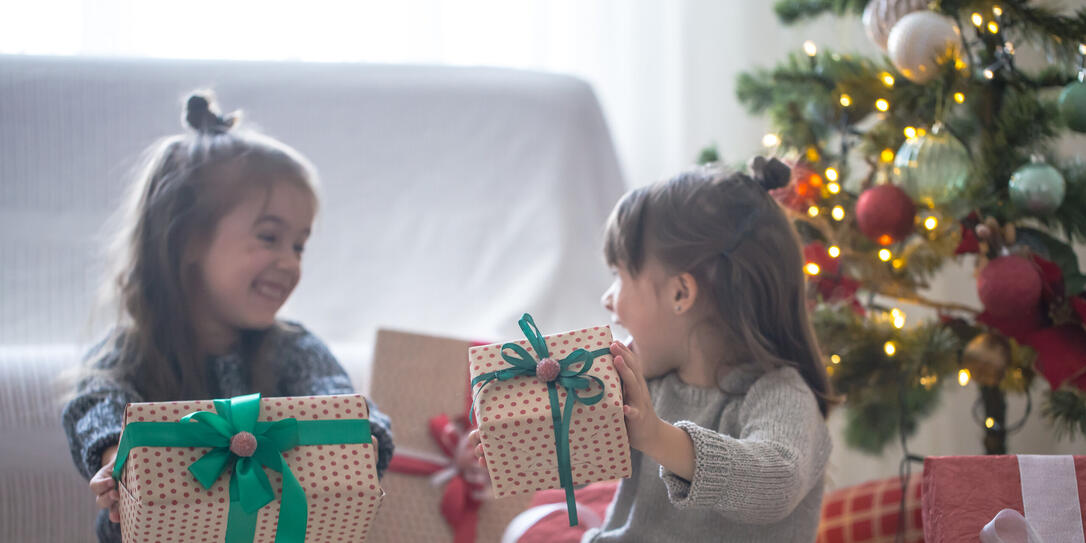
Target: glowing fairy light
<point x="831" y="173"/>
<point x="810" y="48"/>
<point x="812" y="211"/>
<point x="887" y="79"/>
<point x="834" y="188"/>
<point x="882" y="104"/>
<point x="836" y="358"/>
<point x="838" y="213"/>
<point x="959" y="97"/>
<point x="887" y="155"/>
<point x="963" y="377"/>
<point x="977" y="19"/>
<point x="889" y="348"/>
<point x="910" y="132"/>
<point x="771" y="140"/>
<point x="931" y="223"/>
<point x="846" y="100"/>
<point x="885" y="255"/>
<point x="834" y="251"/>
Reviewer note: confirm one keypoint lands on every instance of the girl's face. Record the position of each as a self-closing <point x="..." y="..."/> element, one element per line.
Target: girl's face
<point x="640" y="305"/>
<point x="252" y="261"/>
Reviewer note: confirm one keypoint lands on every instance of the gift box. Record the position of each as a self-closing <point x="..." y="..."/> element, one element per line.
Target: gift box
<point x="550" y="411"/>
<point x="964" y="494"/>
<point x="248" y="469"/>
<point x="421" y="381"/>
<point x="870" y="512"/>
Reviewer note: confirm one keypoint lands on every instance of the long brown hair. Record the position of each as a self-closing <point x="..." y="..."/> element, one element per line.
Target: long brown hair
<point x="187" y="184"/>
<point x="725" y="229"/>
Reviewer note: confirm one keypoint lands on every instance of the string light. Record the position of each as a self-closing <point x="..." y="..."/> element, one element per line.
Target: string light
<point x="812" y="211"/>
<point x="920" y="132"/>
<point x="963" y="377"/>
<point x="959" y="97"/>
<point x="887" y="79"/>
<point x="988" y="73"/>
<point x="838" y="213"/>
<point x="811" y="268"/>
<point x="829" y="370"/>
<point x="898" y="263"/>
<point x="928" y="381"/>
<point x="836" y="358"/>
<point x="846" y="100"/>
<point x="1082" y="48"/>
<point x="831" y="173"/>
<point x="885" y="239"/>
<point x="898" y="317"/>
<point x="910" y="132"/>
<point x="993" y="27"/>
<point x="1008" y="47"/>
<point x="887" y="155"/>
<point x="834" y="251"/>
<point x="889" y="348"/>
<point x="989" y="423"/>
<point x="834" y="188"/>
<point x="812" y="154"/>
<point x="977" y="19"/>
<point x="810" y="48"/>
<point x="998" y="11"/>
<point x="931" y="223"/>
<point x="771" y="140"/>
<point x="885" y="255"/>
<point x="882" y="104"/>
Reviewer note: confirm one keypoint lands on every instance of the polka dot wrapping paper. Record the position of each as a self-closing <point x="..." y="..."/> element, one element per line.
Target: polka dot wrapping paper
<point x="162" y="501"/>
<point x="516" y="426"/>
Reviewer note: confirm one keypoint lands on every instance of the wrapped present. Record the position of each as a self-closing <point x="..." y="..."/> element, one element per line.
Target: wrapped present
<point x="870" y="512"/>
<point x="421" y="381"/>
<point x="1004" y="498"/>
<point x="198" y="471"/>
<point x="550" y="412"/>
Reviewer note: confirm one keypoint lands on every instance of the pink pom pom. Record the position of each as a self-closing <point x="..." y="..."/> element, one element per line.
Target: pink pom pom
<point x="243" y="444"/>
<point x="547" y="369"/>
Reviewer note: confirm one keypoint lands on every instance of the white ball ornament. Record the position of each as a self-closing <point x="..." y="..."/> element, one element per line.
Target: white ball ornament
<point x="881" y="15"/>
<point x="920" y="42"/>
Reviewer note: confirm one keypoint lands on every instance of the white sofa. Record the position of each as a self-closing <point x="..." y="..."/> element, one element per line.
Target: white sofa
<point x="454" y="199"/>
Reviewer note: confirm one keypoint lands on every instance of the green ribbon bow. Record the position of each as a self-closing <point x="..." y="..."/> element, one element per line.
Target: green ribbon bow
<point x="250" y="489"/>
<point x="522" y="364"/>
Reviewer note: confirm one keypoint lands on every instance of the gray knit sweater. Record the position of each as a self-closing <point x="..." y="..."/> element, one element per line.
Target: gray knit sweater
<point x="92" y="420"/>
<point x="760" y="447"/>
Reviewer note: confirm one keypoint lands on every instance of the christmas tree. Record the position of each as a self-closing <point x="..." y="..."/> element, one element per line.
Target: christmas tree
<point x="941" y="150"/>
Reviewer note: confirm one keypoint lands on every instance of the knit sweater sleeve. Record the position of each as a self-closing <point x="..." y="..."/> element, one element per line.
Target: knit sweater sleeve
<point x="762" y="475"/>
<point x="310" y="369"/>
<point x="92" y="419"/>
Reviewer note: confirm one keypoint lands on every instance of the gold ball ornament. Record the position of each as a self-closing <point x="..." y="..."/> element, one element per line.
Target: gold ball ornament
<point x="987" y="357"/>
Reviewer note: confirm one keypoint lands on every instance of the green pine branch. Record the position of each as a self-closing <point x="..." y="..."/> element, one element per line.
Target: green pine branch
<point x="793" y="11"/>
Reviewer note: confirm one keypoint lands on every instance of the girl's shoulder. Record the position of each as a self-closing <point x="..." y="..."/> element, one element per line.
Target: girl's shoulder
<point x="292" y="340"/>
<point x="782" y="386"/>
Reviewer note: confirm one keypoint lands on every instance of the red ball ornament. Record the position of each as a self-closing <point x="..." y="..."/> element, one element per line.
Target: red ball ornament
<point x="1009" y="286"/>
<point x="885" y="214"/>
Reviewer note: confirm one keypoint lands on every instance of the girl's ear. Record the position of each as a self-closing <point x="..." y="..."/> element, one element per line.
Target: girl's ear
<point x="684" y="292"/>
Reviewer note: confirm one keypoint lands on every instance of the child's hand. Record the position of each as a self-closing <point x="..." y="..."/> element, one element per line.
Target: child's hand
<point x="476" y="444"/>
<point x="642" y="424"/>
<point x="105" y="488"/>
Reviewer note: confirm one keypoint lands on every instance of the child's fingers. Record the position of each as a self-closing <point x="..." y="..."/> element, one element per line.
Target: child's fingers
<point x="105" y="500"/>
<point x="630" y="389"/>
<point x="482" y="462"/>
<point x="478" y="450"/>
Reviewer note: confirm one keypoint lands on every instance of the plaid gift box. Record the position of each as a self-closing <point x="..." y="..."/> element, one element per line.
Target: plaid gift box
<point x="870" y="512"/>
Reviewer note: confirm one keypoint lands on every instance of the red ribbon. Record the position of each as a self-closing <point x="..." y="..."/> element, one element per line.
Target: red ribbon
<point x="459" y="504"/>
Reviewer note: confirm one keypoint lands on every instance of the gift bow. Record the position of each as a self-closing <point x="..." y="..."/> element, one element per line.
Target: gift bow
<point x="524" y="365"/>
<point x="460" y="501"/>
<point x="1051" y="503"/>
<point x="250" y="489"/>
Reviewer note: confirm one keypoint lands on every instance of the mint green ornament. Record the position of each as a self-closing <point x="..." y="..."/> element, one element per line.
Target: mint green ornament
<point x="1072" y="105"/>
<point x="1037" y="188"/>
<point x="935" y="170"/>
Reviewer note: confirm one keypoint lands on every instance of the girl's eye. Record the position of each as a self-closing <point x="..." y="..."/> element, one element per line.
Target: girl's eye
<point x="269" y="239"/>
<point x="299" y="249"/>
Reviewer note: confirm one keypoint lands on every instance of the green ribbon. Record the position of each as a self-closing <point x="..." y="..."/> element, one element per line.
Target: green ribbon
<point x="250" y="489"/>
<point x="523" y="365"/>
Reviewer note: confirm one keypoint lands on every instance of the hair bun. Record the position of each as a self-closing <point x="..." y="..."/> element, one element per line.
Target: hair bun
<point x="770" y="174"/>
<point x="202" y="114"/>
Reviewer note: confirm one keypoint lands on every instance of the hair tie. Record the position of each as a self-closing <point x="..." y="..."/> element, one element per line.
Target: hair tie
<point x="769" y="174"/>
<point x="202" y="115"/>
